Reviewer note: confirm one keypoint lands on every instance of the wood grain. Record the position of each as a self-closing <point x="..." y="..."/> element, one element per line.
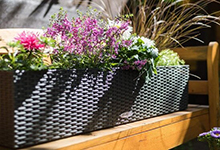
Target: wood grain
<point x="162" y="138"/>
<point x="128" y="130"/>
<point x="213" y="83"/>
<point x="199" y="87"/>
<point x="192" y="53"/>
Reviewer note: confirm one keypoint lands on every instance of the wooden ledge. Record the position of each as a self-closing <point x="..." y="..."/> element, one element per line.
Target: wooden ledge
<point x="144" y="134"/>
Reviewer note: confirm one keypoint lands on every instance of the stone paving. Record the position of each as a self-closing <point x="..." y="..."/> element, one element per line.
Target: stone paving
<point x="15" y="13"/>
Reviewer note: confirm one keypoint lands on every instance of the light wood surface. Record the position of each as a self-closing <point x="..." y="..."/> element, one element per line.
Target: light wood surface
<point x="199" y="87"/>
<point x="213" y="83"/>
<point x="192" y="53"/>
<point x="162" y="138"/>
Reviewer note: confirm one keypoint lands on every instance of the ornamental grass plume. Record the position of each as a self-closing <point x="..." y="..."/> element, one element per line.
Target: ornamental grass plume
<point x="170" y="23"/>
<point x="212" y="137"/>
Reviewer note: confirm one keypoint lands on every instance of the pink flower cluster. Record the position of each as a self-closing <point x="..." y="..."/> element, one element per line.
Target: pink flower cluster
<point x="139" y="64"/>
<point x="30" y="41"/>
<point x="88" y="36"/>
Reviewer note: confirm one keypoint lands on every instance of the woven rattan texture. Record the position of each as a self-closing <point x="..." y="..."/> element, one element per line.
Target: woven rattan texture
<point x="55" y="104"/>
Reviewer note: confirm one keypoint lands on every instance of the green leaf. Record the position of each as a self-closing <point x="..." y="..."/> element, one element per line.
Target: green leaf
<point x="136" y="57"/>
<point x="114" y="64"/>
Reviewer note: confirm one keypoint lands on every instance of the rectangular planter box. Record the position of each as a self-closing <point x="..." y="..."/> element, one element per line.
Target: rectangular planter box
<point x="41" y="106"/>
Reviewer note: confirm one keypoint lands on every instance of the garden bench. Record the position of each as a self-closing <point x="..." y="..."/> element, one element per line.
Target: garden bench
<point x="158" y="133"/>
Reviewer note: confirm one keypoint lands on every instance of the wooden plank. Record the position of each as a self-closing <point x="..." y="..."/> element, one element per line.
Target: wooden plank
<point x="192" y="53"/>
<point x="3" y="51"/>
<point x="213" y="82"/>
<point x="198" y="87"/>
<point x="9" y="34"/>
<point x="162" y="138"/>
<point x="123" y="131"/>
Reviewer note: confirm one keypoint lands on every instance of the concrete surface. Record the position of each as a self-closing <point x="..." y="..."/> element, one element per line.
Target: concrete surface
<point x="15" y="13"/>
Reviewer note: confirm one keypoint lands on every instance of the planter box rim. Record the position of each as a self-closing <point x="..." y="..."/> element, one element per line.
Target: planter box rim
<point x="114" y="68"/>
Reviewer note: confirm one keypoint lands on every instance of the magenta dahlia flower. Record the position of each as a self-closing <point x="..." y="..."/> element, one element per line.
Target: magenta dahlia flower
<point x="30" y="41"/>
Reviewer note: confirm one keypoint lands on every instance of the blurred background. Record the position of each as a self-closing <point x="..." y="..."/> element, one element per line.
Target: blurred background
<point x="36" y="13"/>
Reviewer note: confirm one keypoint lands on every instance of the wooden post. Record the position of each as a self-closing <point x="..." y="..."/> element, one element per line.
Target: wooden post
<point x="213" y="82"/>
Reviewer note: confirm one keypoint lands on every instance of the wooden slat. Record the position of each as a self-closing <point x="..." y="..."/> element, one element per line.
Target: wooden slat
<point x="3" y="51"/>
<point x="198" y="87"/>
<point x="124" y="131"/>
<point x="192" y="53"/>
<point x="213" y="82"/>
<point x="162" y="138"/>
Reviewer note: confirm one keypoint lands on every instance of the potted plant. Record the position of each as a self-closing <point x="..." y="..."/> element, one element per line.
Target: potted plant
<point x="100" y="75"/>
<point x="212" y="137"/>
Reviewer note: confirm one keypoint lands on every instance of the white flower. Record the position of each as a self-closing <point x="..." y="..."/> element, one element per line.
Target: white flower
<point x="155" y="51"/>
<point x="58" y="38"/>
<point x="112" y="23"/>
<point x="48" y="50"/>
<point x="150" y="44"/>
<point x="135" y="38"/>
<point x="147" y="42"/>
<point x="126" y="34"/>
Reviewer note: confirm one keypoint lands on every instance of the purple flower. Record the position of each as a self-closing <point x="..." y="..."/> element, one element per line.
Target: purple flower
<point x="89" y="36"/>
<point x="140" y="64"/>
<point x="126" y="67"/>
<point x="215" y="133"/>
<point x="216" y="128"/>
<point x="203" y="134"/>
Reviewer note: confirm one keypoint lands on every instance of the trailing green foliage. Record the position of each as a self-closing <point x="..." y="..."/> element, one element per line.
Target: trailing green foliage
<point x="22" y="59"/>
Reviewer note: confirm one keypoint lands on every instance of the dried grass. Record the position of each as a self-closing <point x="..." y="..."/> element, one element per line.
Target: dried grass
<point x="170" y="24"/>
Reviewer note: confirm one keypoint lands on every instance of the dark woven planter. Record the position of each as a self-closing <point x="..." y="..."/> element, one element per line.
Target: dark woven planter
<point x="43" y="106"/>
